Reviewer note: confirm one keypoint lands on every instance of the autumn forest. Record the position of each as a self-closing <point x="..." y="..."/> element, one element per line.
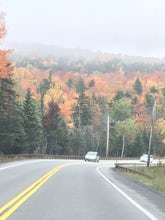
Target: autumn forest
<point x="59" y="101"/>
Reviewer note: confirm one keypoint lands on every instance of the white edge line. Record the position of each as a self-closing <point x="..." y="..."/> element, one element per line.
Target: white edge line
<point x="147" y="213"/>
<point x="21" y="163"/>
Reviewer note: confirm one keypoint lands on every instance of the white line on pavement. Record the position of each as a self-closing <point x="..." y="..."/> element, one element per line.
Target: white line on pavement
<point x="147" y="213"/>
<point x="20" y="163"/>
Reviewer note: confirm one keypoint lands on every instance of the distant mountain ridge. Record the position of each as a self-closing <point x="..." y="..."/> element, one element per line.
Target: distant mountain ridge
<point x="41" y="50"/>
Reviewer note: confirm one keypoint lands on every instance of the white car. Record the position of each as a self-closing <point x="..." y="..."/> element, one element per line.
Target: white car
<point x="92" y="156"/>
<point x="144" y="158"/>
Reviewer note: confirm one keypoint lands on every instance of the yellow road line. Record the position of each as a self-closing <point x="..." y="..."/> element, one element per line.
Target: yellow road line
<point x="17" y="201"/>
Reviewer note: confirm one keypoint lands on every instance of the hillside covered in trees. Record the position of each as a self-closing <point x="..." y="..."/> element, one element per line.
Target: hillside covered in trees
<point x="56" y="101"/>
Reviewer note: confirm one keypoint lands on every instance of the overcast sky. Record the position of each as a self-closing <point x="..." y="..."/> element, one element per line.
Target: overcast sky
<point x="133" y="27"/>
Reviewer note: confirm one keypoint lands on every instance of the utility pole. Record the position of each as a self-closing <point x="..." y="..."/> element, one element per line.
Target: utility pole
<point x="151" y="131"/>
<point x="122" y="153"/>
<point x="107" y="148"/>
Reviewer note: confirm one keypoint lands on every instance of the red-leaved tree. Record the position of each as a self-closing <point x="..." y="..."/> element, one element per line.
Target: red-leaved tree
<point x="5" y="67"/>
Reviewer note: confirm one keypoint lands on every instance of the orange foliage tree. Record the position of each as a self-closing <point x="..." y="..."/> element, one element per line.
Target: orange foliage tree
<point x="4" y="61"/>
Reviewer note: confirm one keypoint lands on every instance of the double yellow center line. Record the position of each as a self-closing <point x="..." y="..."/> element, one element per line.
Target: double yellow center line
<point x="13" y="204"/>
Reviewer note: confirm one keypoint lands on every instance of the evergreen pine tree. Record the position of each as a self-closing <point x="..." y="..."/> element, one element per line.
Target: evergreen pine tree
<point x="138" y="86"/>
<point x="51" y="121"/>
<point x="80" y="86"/>
<point x="138" y="148"/>
<point x="62" y="137"/>
<point x="81" y="112"/>
<point x="82" y="119"/>
<point x="11" y="129"/>
<point x="42" y="89"/>
<point x="32" y="123"/>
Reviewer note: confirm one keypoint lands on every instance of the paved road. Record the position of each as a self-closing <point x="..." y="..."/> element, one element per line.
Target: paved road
<point x="74" y="190"/>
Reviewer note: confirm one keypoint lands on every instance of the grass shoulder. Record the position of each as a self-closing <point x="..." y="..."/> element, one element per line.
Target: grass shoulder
<point x="143" y="174"/>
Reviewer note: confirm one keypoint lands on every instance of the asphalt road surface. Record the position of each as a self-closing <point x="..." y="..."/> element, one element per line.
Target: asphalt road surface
<point x="74" y="190"/>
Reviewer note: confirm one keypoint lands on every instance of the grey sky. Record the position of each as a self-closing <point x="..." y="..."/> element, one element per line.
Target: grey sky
<point x="133" y="27"/>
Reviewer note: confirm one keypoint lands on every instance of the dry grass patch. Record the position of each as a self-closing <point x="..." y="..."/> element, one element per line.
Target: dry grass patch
<point x="157" y="173"/>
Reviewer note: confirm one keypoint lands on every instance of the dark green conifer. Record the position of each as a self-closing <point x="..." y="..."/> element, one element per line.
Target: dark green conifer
<point x="32" y="124"/>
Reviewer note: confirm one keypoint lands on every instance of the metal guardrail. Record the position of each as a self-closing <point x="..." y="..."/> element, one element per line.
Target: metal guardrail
<point x="14" y="157"/>
<point x="128" y="169"/>
<point x="50" y="156"/>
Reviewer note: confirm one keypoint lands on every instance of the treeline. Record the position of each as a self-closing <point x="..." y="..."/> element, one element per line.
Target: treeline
<point x="33" y="122"/>
<point x="93" y="66"/>
<point x="30" y="126"/>
<point x="50" y="57"/>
